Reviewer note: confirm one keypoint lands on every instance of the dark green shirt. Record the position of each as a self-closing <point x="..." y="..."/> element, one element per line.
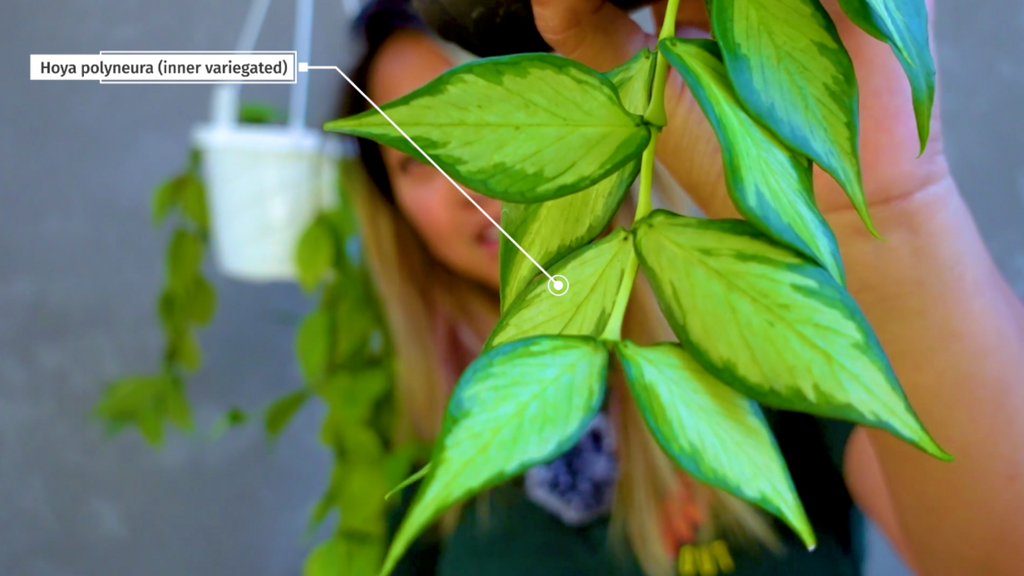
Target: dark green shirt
<point x="517" y="538"/>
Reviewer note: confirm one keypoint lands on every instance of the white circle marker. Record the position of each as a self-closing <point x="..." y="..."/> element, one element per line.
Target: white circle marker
<point x="558" y="285"/>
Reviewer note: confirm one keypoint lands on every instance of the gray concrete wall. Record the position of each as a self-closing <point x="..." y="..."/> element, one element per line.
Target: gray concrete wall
<point x="79" y="268"/>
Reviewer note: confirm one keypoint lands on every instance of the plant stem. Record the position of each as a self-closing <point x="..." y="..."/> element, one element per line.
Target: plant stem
<point x="613" y="330"/>
<point x="656" y="110"/>
<point x="656" y="117"/>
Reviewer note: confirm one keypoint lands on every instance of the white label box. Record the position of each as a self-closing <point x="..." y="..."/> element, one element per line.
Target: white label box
<point x="169" y="67"/>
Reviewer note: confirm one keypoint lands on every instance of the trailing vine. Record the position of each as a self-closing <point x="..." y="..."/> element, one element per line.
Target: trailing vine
<point x="187" y="302"/>
<point x="346" y="359"/>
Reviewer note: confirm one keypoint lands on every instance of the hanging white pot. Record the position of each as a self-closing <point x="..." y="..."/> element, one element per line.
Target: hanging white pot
<point x="265" y="183"/>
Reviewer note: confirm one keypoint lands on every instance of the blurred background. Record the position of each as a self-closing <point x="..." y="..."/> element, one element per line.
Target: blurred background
<point x="80" y="268"/>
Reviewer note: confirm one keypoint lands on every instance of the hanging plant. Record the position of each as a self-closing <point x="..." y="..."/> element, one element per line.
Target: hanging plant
<point x="759" y="305"/>
<point x="346" y="361"/>
<point x="187" y="302"/>
<point x="342" y="349"/>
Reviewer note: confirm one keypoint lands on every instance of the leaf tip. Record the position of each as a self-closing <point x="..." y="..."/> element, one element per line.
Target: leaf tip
<point x="924" y="132"/>
<point x="932" y="448"/>
<point x="866" y="218"/>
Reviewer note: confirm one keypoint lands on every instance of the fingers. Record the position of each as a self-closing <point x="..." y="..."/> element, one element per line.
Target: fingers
<point x="593" y="32"/>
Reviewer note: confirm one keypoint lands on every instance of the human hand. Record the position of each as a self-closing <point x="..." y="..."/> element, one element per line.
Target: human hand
<point x="601" y="36"/>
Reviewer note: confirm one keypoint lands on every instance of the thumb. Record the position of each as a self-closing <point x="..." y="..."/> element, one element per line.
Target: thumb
<point x="592" y="32"/>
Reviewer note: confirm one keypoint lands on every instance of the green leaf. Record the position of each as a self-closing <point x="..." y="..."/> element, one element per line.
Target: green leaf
<point x="634" y="81"/>
<point x="357" y="320"/>
<point x="791" y="70"/>
<point x="356" y="393"/>
<point x="176" y="403"/>
<point x="522" y="128"/>
<point x="184" y="259"/>
<point x="549" y="231"/>
<point x="202" y="302"/>
<point x="193" y="200"/>
<point x="904" y="25"/>
<point x="170" y="312"/>
<point x="515" y="406"/>
<point x="355" y="441"/>
<point x="329" y="500"/>
<point x="594" y="273"/>
<point x="313" y="345"/>
<point x="771" y="324"/>
<point x="769" y="184"/>
<point x="341" y="556"/>
<point x="282" y="410"/>
<point x="124" y="399"/>
<point x="327" y="559"/>
<point x="252" y="113"/>
<point x="713" y="432"/>
<point x="165" y="198"/>
<point x="151" y="426"/>
<point x="186" y="351"/>
<point x="233" y="418"/>
<point x="362" y="499"/>
<point x="315" y="253"/>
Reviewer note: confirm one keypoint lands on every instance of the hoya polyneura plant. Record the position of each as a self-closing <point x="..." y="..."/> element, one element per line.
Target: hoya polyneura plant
<point x="759" y="305"/>
<point x="187" y="302"/>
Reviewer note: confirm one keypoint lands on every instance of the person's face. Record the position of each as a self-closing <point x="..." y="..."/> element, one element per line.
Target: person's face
<point x="454" y="231"/>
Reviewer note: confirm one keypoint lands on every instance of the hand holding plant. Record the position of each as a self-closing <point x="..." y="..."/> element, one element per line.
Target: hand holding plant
<point x="894" y="123"/>
<point x="759" y="305"/>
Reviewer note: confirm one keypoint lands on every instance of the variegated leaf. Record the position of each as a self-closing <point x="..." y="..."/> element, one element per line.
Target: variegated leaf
<point x="771" y="324"/>
<point x="712" y="431"/>
<point x="904" y="25"/>
<point x="516" y="406"/>
<point x="596" y="273"/>
<point x="548" y="231"/>
<point x="523" y="128"/>
<point x="769" y="184"/>
<point x="791" y="70"/>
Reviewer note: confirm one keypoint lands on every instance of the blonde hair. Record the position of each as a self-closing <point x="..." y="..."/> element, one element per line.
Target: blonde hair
<point x="401" y="267"/>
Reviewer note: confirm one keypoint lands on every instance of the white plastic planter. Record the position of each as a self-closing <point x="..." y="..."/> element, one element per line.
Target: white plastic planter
<point x="265" y="184"/>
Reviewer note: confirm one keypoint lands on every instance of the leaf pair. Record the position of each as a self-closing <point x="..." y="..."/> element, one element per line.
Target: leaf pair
<point x="791" y="72"/>
<point x="185" y="192"/>
<point x="147" y="402"/>
<point x="761" y="317"/>
<point x="528" y="401"/>
<point x="756" y="321"/>
<point x="772" y="324"/>
<point x="549" y="231"/>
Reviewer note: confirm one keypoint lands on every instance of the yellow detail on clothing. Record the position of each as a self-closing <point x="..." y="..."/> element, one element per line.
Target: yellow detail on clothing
<point x="721" y="552"/>
<point x="687" y="564"/>
<point x="705" y="559"/>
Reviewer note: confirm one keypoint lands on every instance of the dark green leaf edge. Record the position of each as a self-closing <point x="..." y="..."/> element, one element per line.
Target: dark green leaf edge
<point x="453" y="404"/>
<point x="617" y="235"/>
<point x="768" y="222"/>
<point x="835" y="297"/>
<point x="851" y="181"/>
<point x="626" y="152"/>
<point x="520" y="214"/>
<point x="691" y="464"/>
<point x="919" y="68"/>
